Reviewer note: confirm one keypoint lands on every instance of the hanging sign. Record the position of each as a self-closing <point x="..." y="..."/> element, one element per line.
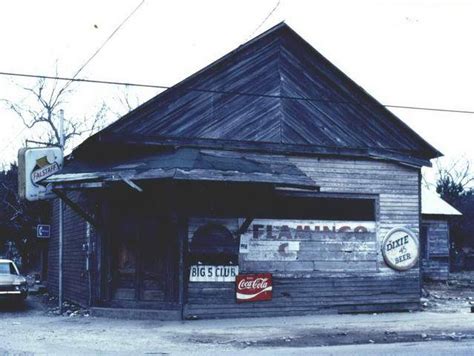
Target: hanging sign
<point x="400" y="249"/>
<point x="253" y="287"/>
<point x="34" y="166"/>
<point x="203" y="273"/>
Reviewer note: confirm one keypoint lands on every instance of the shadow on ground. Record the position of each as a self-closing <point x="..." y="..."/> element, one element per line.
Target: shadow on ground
<point x="13" y="306"/>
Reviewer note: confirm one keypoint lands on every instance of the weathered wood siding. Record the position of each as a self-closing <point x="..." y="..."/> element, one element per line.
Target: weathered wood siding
<point x="322" y="276"/>
<point x="75" y="277"/>
<point x="397" y="188"/>
<point x="314" y="284"/>
<point x="277" y="65"/>
<point x="306" y="294"/>
<point x="435" y="262"/>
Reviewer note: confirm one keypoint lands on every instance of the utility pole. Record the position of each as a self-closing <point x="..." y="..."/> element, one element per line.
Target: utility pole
<point x="61" y="222"/>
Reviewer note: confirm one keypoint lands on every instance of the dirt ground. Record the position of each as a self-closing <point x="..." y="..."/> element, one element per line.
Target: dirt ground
<point x="455" y="295"/>
<point x="37" y="328"/>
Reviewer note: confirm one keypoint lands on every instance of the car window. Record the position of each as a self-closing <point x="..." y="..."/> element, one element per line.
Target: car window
<point x="7" y="268"/>
<point x="12" y="269"/>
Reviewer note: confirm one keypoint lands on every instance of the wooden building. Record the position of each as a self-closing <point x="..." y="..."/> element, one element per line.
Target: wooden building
<point x="269" y="160"/>
<point x="434" y="236"/>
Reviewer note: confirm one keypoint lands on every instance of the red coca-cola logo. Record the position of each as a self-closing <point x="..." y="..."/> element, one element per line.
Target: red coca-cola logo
<point x="253" y="287"/>
<point x="258" y="283"/>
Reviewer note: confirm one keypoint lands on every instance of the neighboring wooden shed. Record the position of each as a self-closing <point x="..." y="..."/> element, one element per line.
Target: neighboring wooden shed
<point x="434" y="236"/>
<point x="270" y="160"/>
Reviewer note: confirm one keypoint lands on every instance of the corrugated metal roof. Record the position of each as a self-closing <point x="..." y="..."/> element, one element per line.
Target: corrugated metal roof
<point x="277" y="63"/>
<point x="433" y="204"/>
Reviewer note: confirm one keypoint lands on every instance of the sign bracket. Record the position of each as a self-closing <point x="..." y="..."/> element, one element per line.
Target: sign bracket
<point x="77" y="208"/>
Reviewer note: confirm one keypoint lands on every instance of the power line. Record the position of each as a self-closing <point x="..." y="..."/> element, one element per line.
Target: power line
<point x="81" y="68"/>
<point x="105" y="42"/>
<point x="266" y="18"/>
<point x="83" y="80"/>
<point x="210" y="91"/>
<point x="428" y="109"/>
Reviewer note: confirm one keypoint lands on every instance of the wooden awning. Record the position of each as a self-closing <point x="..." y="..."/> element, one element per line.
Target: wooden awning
<point x="187" y="164"/>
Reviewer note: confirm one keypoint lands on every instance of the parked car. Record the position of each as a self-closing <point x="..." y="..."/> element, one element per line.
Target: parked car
<point x="12" y="284"/>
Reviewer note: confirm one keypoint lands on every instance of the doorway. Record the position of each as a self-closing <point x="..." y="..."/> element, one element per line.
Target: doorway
<point x="144" y="261"/>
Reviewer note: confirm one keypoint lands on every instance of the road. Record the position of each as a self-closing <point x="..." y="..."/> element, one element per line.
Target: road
<point x="431" y="348"/>
<point x="32" y="330"/>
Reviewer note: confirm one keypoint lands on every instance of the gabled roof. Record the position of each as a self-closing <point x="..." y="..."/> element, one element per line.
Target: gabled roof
<point x="433" y="204"/>
<point x="274" y="93"/>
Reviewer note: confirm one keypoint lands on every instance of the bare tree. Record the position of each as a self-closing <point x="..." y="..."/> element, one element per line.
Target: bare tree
<point x="38" y="110"/>
<point x="454" y="179"/>
<point x="126" y="100"/>
<point x="41" y="105"/>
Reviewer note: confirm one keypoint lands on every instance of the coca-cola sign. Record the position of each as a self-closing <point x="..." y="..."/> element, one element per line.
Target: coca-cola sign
<point x="253" y="287"/>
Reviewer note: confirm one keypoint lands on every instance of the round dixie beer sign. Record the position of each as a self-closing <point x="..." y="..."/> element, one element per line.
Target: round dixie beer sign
<point x="400" y="249"/>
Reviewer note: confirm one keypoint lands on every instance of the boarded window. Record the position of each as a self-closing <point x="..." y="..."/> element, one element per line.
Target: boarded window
<point x="213" y="244"/>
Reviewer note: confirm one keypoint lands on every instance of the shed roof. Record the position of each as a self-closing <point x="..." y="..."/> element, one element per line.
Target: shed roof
<point x="433" y="204"/>
<point x="274" y="93"/>
<point x="189" y="164"/>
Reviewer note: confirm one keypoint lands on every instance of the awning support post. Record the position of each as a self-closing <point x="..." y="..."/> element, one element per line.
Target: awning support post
<point x="61" y="222"/>
<point x="60" y="262"/>
<point x="182" y="224"/>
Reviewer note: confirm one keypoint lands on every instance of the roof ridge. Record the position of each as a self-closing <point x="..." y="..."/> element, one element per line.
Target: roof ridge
<point x="278" y="54"/>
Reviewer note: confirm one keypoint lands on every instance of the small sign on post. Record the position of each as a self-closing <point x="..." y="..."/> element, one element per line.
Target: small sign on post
<point x="43" y="231"/>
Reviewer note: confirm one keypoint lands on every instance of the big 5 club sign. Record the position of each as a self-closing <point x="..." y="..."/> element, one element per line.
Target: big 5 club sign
<point x="253" y="287"/>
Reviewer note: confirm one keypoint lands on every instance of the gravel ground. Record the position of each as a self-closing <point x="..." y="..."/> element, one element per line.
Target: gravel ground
<point x="37" y="328"/>
<point x="454" y="296"/>
<point x="33" y="329"/>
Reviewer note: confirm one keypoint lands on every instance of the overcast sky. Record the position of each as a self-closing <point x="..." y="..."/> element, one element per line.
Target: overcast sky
<point x="415" y="53"/>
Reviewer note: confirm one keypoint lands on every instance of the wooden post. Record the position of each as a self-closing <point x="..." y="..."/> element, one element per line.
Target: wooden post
<point x="420" y="258"/>
<point x="61" y="222"/>
<point x="182" y="222"/>
<point x="104" y="250"/>
<point x="138" y="259"/>
<point x="60" y="257"/>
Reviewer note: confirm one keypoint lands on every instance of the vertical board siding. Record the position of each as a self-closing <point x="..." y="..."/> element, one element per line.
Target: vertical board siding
<point x="436" y="268"/>
<point x="310" y="285"/>
<point x="53" y="251"/>
<point x="436" y="264"/>
<point x="438" y="237"/>
<point x="75" y="278"/>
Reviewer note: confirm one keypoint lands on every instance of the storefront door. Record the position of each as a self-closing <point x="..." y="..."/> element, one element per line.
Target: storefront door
<point x="144" y="269"/>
